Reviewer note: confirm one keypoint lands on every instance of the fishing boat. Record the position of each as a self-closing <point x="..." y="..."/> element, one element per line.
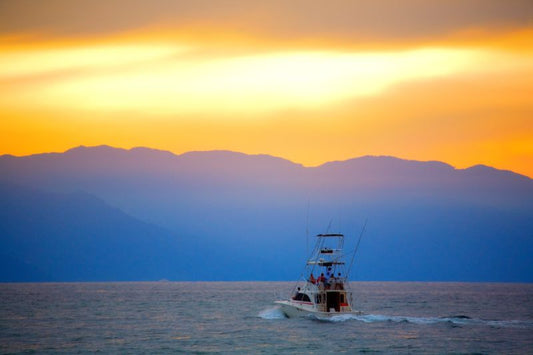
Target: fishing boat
<point x="323" y="291"/>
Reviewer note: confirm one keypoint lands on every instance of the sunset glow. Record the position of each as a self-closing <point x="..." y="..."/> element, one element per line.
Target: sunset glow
<point x="155" y="79"/>
<point x="459" y="96"/>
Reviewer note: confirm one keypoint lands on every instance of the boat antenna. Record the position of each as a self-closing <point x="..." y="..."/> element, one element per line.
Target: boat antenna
<point x="356" y="248"/>
<point x="329" y="225"/>
<point x="307" y="231"/>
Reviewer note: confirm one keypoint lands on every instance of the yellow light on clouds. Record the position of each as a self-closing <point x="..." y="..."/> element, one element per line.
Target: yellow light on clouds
<point x="25" y="62"/>
<point x="172" y="79"/>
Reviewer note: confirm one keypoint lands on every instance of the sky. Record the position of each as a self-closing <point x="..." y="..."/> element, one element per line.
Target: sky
<point x="309" y="81"/>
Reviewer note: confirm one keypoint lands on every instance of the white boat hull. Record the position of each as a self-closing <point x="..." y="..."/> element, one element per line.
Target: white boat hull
<point x="295" y="310"/>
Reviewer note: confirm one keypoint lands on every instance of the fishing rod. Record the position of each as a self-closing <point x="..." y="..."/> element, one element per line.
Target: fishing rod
<point x="307" y="231"/>
<point x="356" y="248"/>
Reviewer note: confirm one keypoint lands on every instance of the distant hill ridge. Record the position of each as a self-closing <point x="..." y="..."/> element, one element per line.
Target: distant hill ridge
<point x="76" y="167"/>
<point x="211" y="156"/>
<point x="374" y="170"/>
<point x="77" y="237"/>
<point x="241" y="216"/>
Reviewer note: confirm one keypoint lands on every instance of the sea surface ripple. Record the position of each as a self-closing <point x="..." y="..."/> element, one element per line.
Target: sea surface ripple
<point x="240" y="317"/>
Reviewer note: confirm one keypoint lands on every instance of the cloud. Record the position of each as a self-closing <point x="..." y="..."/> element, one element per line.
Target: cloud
<point x="158" y="79"/>
<point x="356" y="20"/>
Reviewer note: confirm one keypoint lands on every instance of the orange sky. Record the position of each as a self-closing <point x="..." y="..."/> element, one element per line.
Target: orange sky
<point x="308" y="81"/>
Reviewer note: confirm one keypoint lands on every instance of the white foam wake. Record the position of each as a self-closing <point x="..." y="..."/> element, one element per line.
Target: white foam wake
<point x="458" y="320"/>
<point x="454" y="320"/>
<point x="272" y="313"/>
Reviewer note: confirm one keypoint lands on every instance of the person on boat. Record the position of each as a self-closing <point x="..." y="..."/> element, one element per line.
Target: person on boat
<point x="312" y="279"/>
<point x="327" y="278"/>
<point x="339" y="285"/>
<point x="321" y="278"/>
<point x="332" y="282"/>
<point x="321" y="281"/>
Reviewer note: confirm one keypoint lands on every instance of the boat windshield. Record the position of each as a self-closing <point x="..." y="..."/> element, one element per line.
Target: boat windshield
<point x="302" y="297"/>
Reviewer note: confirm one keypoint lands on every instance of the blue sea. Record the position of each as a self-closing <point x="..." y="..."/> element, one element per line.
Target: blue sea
<point x="240" y="317"/>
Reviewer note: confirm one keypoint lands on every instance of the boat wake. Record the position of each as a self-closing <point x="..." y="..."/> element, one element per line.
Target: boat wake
<point x="456" y="320"/>
<point x="272" y="313"/>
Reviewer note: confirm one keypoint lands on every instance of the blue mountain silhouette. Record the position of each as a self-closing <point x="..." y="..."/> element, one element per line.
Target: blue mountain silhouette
<point x="239" y="216"/>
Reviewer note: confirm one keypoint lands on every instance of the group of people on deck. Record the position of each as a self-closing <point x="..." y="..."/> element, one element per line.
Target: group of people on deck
<point x="328" y="281"/>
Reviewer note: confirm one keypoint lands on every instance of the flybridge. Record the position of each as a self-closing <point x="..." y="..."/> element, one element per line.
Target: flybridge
<point x="327" y="256"/>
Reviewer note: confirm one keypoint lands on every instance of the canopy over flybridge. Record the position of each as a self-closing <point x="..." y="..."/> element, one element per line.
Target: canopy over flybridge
<point x="330" y="235"/>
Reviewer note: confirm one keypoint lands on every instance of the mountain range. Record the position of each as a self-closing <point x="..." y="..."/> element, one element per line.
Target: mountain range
<point x="103" y="213"/>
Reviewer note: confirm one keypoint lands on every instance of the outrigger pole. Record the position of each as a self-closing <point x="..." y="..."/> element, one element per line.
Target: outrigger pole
<point x="307" y="231"/>
<point x="356" y="248"/>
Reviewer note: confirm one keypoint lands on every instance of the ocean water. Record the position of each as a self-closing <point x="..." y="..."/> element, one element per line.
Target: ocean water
<point x="240" y="317"/>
